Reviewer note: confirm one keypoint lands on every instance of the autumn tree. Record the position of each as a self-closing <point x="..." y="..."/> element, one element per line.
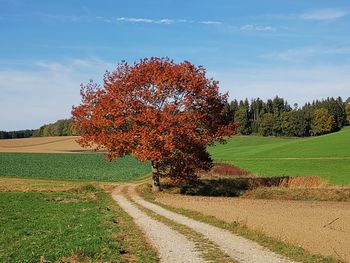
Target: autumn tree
<point x="158" y="111"/>
<point x="266" y="127"/>
<point x="322" y="122"/>
<point x="348" y="113"/>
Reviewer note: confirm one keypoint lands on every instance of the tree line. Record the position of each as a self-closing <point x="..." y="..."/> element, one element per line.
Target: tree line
<point x="63" y="127"/>
<point x="275" y="117"/>
<point x="16" y="134"/>
<point x="59" y="128"/>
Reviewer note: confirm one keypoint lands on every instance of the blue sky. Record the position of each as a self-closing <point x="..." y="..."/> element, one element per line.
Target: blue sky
<point x="296" y="49"/>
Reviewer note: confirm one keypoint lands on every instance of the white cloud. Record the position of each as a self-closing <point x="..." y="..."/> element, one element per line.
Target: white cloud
<point x="45" y="92"/>
<point x="303" y="53"/>
<point x="135" y="20"/>
<point x="210" y="22"/>
<point x="296" y="84"/>
<point x="324" y="14"/>
<point x="166" y="21"/>
<point x="146" y="20"/>
<point x="250" y="27"/>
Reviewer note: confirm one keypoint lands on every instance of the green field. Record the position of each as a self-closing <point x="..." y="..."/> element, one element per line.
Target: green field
<point x="54" y="225"/>
<point x="85" y="166"/>
<point x="81" y="224"/>
<point x="327" y="156"/>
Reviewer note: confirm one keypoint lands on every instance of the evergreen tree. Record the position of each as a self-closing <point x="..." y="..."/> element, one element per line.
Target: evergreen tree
<point x="288" y="121"/>
<point x="266" y="126"/>
<point x="242" y="117"/>
<point x="256" y="110"/>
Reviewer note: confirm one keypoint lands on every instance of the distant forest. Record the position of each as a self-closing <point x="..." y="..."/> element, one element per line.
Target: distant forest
<point x="274" y="117"/>
<point x="59" y="128"/>
<point x="16" y="134"/>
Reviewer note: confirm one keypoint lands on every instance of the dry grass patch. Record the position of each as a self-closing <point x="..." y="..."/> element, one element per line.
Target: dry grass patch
<point x="26" y="185"/>
<point x="305" y="194"/>
<point x="303" y="182"/>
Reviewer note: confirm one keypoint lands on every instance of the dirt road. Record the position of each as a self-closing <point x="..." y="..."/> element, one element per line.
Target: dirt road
<point x="172" y="247"/>
<point x="319" y="227"/>
<point x="169" y="243"/>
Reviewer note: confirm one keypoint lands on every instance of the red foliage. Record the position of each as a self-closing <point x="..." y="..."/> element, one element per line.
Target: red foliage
<point x="227" y="169"/>
<point x="156" y="110"/>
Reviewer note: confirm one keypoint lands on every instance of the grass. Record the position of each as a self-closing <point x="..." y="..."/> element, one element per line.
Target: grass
<point x="293" y="252"/>
<point x="50" y="226"/>
<point x="327" y="156"/>
<point x="86" y="166"/>
<point x="300" y="194"/>
<point x="81" y="224"/>
<point x="277" y="188"/>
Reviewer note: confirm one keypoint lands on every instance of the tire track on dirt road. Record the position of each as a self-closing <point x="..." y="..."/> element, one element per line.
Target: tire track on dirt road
<point x="172" y="246"/>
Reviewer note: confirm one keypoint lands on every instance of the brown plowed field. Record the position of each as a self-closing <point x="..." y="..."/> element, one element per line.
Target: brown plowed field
<point x="42" y="145"/>
<point x="319" y="227"/>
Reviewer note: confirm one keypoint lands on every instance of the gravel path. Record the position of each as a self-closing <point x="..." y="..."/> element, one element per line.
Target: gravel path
<point x="239" y="248"/>
<point x="172" y="246"/>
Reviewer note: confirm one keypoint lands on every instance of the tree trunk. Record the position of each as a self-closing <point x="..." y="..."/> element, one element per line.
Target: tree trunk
<point x="155" y="178"/>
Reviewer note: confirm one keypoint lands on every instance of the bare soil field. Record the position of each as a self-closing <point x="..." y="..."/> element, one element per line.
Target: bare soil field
<point x="319" y="227"/>
<point x="42" y="145"/>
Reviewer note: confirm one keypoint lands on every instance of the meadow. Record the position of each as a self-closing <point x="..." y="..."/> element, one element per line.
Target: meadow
<point x="51" y="225"/>
<point x="69" y="166"/>
<point x="79" y="224"/>
<point x="56" y="215"/>
<point x="327" y="156"/>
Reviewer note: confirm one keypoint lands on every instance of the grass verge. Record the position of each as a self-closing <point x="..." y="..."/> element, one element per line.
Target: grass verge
<point x="80" y="224"/>
<point x="288" y="250"/>
<point x="277" y="188"/>
<point x="301" y="194"/>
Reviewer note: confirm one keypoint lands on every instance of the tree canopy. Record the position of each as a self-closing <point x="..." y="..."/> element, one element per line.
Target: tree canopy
<point x="157" y="110"/>
<point x="322" y="122"/>
<point x="348" y="112"/>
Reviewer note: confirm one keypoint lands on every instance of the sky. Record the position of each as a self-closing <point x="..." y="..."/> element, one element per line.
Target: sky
<point x="296" y="49"/>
